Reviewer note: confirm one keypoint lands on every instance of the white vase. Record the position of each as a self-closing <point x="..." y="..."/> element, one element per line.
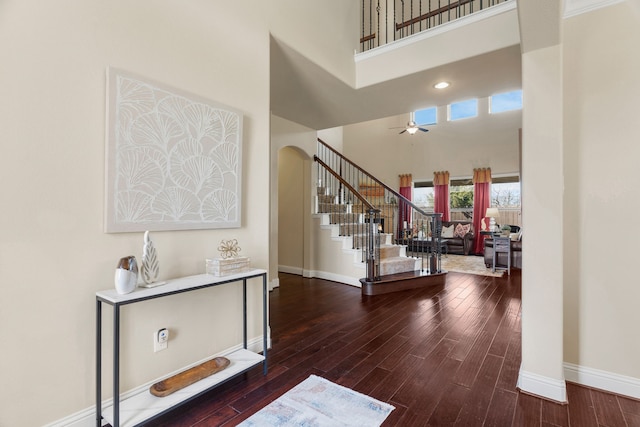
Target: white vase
<point x="126" y="275"/>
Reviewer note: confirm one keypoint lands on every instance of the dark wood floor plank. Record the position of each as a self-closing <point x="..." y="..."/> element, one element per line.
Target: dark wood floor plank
<point x="446" y="413"/>
<point x="367" y="384"/>
<point x="408" y="349"/>
<point x="555" y="414"/>
<point x="475" y="408"/>
<point x="501" y="409"/>
<point x="470" y="367"/>
<point x="608" y="411"/>
<point x="508" y="378"/>
<point x="628" y="405"/>
<point x="419" y="382"/>
<point x="581" y="410"/>
<point x="528" y="411"/>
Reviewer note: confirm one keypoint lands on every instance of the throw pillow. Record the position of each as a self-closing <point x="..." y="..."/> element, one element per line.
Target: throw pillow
<point x="447" y="232"/>
<point x="461" y="230"/>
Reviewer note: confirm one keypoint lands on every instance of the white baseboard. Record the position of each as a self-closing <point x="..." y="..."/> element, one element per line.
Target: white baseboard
<point x="87" y="417"/>
<point x="290" y="270"/>
<point x="333" y="277"/>
<point x="603" y="380"/>
<point x="548" y="388"/>
<point x="275" y="283"/>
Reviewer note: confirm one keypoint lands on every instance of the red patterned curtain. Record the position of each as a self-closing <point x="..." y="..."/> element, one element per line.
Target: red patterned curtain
<point x="481" y="201"/>
<point x="404" y="210"/>
<point x="441" y="194"/>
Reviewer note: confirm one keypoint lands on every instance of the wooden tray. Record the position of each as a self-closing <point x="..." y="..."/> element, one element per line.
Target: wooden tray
<point x="183" y="379"/>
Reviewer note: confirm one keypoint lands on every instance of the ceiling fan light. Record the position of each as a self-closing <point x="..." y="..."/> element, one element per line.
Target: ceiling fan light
<point x="441" y="85"/>
<point x="412" y="130"/>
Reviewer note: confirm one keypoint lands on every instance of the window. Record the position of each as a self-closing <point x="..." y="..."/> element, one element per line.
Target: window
<point x="507" y="101"/>
<point x="463" y="109"/>
<point x="427" y="116"/>
<point x="461" y="194"/>
<point x="423" y="195"/>
<point x="505" y="192"/>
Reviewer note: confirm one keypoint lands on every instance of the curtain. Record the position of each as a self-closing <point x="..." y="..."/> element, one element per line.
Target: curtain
<point x="481" y="201"/>
<point x="441" y="194"/>
<point x="404" y="210"/>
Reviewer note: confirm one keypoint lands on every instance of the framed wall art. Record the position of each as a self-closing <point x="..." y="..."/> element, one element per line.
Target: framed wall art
<point x="174" y="160"/>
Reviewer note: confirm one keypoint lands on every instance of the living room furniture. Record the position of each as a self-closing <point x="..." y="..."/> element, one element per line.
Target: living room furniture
<point x="515" y="249"/>
<point x="502" y="245"/>
<point x="461" y="242"/>
<point x="143" y="406"/>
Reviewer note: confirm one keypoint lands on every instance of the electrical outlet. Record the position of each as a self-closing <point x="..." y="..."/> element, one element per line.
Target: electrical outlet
<point x="160" y="340"/>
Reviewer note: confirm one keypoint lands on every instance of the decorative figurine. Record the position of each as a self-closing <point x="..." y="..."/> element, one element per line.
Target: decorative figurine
<point x="229" y="249"/>
<point x="149" y="267"/>
<point x="126" y="275"/>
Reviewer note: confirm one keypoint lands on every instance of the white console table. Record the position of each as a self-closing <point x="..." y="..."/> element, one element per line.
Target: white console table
<point x="143" y="407"/>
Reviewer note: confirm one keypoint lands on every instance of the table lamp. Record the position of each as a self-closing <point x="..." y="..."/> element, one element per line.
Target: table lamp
<point x="492" y="213"/>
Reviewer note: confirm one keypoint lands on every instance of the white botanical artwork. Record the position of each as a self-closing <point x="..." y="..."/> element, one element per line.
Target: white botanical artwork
<point x="173" y="159"/>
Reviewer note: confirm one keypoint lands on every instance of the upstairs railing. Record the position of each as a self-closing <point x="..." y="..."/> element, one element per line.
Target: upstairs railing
<point x="349" y="184"/>
<point x="384" y="21"/>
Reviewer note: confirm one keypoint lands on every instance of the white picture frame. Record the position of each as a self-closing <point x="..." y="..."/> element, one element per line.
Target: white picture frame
<point x="173" y="159"/>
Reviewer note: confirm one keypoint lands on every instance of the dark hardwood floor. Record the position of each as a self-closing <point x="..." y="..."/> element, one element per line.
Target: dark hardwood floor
<point x="446" y="355"/>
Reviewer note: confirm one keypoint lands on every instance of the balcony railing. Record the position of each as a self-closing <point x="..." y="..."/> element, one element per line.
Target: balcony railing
<point x="384" y="21"/>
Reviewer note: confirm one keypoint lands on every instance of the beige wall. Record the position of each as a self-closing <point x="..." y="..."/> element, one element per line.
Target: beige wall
<point x="54" y="254"/>
<point x="542" y="201"/>
<point x="459" y="146"/>
<point x="292" y="209"/>
<point x="326" y="32"/>
<point x="287" y="135"/>
<point x="601" y="91"/>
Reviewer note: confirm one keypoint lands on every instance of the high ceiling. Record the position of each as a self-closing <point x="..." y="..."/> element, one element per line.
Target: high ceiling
<point x="305" y="93"/>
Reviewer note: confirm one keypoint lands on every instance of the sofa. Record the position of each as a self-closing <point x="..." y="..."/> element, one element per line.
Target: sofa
<point x="516" y="254"/>
<point x="458" y="236"/>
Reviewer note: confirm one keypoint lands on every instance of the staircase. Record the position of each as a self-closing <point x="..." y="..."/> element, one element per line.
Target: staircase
<point x="368" y="217"/>
<point x="350" y="227"/>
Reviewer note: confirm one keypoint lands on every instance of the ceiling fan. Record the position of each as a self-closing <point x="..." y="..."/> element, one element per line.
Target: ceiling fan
<point x="412" y="128"/>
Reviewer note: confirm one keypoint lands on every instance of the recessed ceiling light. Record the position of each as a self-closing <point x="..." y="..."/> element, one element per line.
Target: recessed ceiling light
<point x="441" y="85"/>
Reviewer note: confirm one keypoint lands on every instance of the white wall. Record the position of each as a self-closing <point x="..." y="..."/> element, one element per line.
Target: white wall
<point x="601" y="91"/>
<point x="54" y="254"/>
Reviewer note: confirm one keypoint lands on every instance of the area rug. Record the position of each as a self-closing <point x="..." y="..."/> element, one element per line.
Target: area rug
<point x="468" y="264"/>
<point x="317" y="402"/>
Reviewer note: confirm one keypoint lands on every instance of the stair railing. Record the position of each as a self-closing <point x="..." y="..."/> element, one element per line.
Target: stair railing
<point x="409" y="225"/>
<point x="359" y="220"/>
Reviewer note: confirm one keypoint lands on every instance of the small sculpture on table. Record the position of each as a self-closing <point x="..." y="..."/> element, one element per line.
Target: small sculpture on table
<point x="229" y="261"/>
<point x="126" y="275"/>
<point x="149" y="267"/>
<point x="229" y="249"/>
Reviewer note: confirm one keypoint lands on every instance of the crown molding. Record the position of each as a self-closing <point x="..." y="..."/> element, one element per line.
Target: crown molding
<point x="578" y="7"/>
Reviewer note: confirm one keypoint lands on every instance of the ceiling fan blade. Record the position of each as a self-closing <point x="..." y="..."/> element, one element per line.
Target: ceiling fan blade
<point x="402" y="132"/>
<point x="423" y="129"/>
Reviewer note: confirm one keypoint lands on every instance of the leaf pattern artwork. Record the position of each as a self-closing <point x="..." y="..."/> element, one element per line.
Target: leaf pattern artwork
<point x="174" y="159"/>
<point x="220" y="206"/>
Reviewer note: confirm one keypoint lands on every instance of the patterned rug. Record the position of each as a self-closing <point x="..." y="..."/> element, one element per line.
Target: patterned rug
<point x="317" y="402"/>
<point x="468" y="264"/>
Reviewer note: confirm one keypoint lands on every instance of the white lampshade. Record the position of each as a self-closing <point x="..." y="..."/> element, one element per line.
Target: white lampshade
<point x="492" y="213"/>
